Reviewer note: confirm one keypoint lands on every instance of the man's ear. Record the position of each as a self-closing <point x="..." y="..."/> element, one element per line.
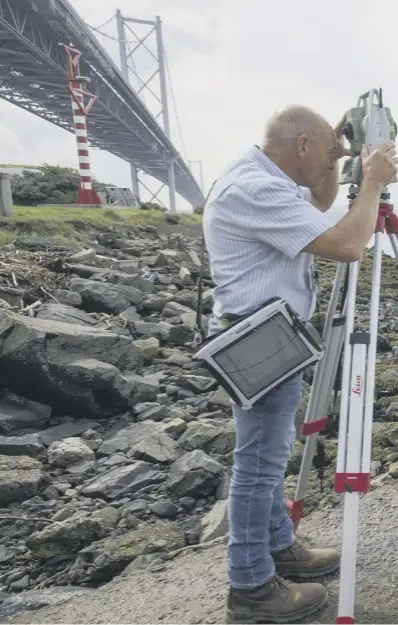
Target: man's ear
<point x="302" y="145"/>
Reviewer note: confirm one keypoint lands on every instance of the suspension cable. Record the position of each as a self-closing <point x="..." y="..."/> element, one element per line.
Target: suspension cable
<point x="175" y="105"/>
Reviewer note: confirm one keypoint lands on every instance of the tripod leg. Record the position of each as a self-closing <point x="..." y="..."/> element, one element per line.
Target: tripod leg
<point x="394" y="245"/>
<point x="355" y="432"/>
<point x="348" y="482"/>
<point x="322" y="385"/>
<point x="347" y="574"/>
<point x="343" y="418"/>
<point x="372" y="352"/>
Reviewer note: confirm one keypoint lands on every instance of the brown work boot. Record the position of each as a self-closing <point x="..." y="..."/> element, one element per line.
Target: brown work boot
<point x="298" y="561"/>
<point x="277" y="601"/>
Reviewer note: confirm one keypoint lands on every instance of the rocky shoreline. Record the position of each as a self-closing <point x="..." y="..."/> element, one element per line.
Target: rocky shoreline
<point x="115" y="447"/>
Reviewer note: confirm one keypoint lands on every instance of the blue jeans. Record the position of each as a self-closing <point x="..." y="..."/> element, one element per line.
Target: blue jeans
<point x="259" y="523"/>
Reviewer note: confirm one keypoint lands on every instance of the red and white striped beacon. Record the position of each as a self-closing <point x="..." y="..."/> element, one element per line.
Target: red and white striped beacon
<point x="86" y="193"/>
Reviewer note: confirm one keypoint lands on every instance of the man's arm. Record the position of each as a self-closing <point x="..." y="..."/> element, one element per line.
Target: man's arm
<point x="278" y="215"/>
<point x="346" y="241"/>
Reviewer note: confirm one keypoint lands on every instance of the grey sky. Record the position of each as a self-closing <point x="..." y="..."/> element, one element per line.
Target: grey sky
<point x="233" y="62"/>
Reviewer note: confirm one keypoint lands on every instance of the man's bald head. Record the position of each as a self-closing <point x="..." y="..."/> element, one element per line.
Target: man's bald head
<point x="302" y="143"/>
<point x="285" y="126"/>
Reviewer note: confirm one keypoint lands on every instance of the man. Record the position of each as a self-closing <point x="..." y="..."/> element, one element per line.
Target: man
<point x="264" y="221"/>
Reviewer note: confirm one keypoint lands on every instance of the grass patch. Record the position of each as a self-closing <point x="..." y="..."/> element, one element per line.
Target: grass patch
<point x="74" y="225"/>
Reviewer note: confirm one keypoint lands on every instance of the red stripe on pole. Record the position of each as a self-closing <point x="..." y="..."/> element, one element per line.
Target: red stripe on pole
<point x="84" y="165"/>
<point x="85" y="178"/>
<point x="83" y="152"/>
<point x="80" y="126"/>
<point x="81" y="139"/>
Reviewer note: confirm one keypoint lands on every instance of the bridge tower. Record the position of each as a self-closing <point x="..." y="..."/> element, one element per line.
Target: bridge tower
<point x="127" y="65"/>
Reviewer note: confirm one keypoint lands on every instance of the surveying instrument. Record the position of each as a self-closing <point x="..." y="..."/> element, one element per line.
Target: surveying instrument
<point x="369" y="124"/>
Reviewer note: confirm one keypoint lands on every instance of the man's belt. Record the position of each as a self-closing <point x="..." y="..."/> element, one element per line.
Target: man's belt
<point x="227" y="318"/>
<point x="230" y="317"/>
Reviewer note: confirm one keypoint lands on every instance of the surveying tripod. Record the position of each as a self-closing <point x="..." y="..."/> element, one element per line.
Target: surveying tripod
<point x="352" y="475"/>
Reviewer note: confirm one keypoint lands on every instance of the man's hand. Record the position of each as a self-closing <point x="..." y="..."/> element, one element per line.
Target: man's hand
<point x="380" y="167"/>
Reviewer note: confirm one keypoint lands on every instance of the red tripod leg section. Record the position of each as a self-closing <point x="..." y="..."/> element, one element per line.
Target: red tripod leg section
<point x="313" y="427"/>
<point x="384" y="215"/>
<point x="296" y="511"/>
<point x="296" y="507"/>
<point x="392" y="224"/>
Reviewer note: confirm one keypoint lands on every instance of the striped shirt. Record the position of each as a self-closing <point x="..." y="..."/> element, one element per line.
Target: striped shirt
<point x="256" y="223"/>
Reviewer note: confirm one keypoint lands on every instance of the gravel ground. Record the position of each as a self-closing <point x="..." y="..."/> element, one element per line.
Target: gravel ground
<point x="192" y="588"/>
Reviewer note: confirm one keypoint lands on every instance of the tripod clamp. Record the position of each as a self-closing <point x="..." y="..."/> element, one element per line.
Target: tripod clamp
<point x="387" y="220"/>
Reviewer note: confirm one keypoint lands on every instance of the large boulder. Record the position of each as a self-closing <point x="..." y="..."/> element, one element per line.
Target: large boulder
<point x="35" y="599"/>
<point x="66" y="430"/>
<point x="65" y="538"/>
<point x="69" y="451"/>
<point x="194" y="474"/>
<point x="121" y="481"/>
<point x="102" y="560"/>
<point x="128" y="437"/>
<point x="106" y="297"/>
<point x="25" y="445"/>
<point x="72" y="368"/>
<point x="158" y="449"/>
<point x="127" y="279"/>
<point x="20" y="478"/>
<point x="65" y="313"/>
<point x="17" y="413"/>
<point x="215" y="523"/>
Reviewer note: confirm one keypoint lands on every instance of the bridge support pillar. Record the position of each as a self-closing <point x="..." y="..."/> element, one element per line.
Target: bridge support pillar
<point x="6" y="204"/>
<point x="135" y="184"/>
<point x="172" y="188"/>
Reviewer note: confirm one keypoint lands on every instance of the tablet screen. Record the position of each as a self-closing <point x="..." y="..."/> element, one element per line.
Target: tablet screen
<point x="262" y="356"/>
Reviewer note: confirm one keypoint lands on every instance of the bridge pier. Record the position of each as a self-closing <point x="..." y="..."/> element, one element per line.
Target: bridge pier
<point x="135" y="184"/>
<point x="6" y="204"/>
<point x="172" y="188"/>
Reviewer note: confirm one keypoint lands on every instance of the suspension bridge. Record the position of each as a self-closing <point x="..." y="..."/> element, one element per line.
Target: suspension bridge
<point x="34" y="75"/>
